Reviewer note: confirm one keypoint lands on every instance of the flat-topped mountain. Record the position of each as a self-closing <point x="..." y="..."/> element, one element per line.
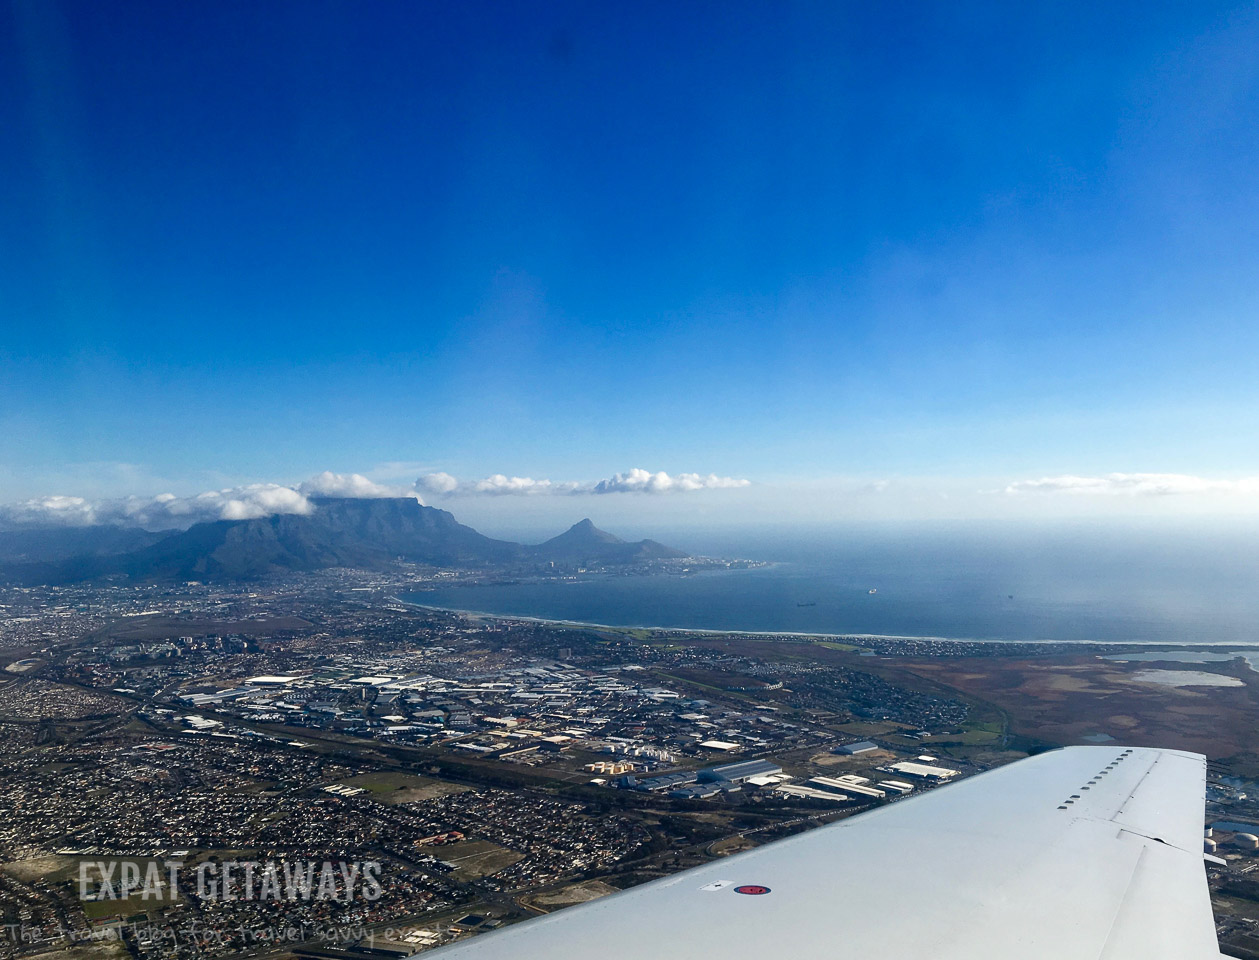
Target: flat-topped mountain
<point x="363" y="533"/>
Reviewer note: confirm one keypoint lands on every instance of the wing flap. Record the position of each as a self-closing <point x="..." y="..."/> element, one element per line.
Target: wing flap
<point x="1166" y="910"/>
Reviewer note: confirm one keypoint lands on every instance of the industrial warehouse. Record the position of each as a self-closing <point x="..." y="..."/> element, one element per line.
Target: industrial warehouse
<point x="732" y="778"/>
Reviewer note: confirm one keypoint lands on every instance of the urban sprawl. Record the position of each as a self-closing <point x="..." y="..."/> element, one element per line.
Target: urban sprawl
<point x="489" y="769"/>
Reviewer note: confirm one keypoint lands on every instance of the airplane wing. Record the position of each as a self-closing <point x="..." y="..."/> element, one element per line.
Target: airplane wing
<point x="1087" y="852"/>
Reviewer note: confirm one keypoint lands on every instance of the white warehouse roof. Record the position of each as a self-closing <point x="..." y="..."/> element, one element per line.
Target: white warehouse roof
<point x="912" y="769"/>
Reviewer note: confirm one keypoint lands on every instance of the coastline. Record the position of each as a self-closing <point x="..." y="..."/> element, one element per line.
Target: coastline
<point x="838" y="637"/>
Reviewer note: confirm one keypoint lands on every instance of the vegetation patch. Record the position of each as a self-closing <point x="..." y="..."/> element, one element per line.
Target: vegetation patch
<point x="396" y="787"/>
<point x="473" y="859"/>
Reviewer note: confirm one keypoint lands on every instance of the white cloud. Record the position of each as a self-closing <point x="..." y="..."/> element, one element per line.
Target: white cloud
<point x="349" y="485"/>
<point x="250" y="501"/>
<point x="162" y="512"/>
<point x="167" y="511"/>
<point x="643" y="481"/>
<point x="634" y="481"/>
<point x="519" y="486"/>
<point x="437" y="483"/>
<point x="54" y="510"/>
<point x="1136" y="485"/>
<point x="255" y="500"/>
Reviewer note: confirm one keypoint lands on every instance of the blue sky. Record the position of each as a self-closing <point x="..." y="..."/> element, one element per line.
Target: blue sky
<point x="953" y="246"/>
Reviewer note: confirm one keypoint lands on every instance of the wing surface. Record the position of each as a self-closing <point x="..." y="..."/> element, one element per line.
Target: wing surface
<point x="1087" y="853"/>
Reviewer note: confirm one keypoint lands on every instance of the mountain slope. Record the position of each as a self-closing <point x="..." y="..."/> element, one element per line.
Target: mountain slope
<point x="584" y="542"/>
<point x="50" y="544"/>
<point x="340" y="533"/>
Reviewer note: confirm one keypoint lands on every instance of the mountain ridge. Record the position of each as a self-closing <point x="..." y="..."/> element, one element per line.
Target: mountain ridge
<point x="363" y="533"/>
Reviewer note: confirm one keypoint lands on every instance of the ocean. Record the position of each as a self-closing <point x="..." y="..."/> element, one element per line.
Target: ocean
<point x="1053" y="584"/>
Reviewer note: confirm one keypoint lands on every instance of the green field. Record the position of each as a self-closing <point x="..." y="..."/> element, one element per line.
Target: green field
<point x="51" y="869"/>
<point x="861" y="728"/>
<point x="973" y="734"/>
<point x="395" y="787"/>
<point x="101" y="909"/>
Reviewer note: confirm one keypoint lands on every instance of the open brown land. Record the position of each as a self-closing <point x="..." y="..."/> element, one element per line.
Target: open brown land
<point x="1059" y="699"/>
<point x="1067" y="700"/>
<point x="569" y="895"/>
<point x="473" y="859"/>
<point x="719" y="679"/>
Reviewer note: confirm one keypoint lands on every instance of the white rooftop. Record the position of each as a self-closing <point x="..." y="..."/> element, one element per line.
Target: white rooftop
<point x="923" y="770"/>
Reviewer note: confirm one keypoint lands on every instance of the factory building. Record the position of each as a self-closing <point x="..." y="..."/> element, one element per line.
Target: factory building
<point x="696" y="791"/>
<point x="809" y="793"/>
<point x="738" y="772"/>
<point x="699" y="791"/>
<point x="852" y="749"/>
<point x="896" y="786"/>
<point x="721" y="779"/>
<point x="665" y="781"/>
<point x="769" y="780"/>
<point x="826" y="783"/>
<point x="858" y="790"/>
<point x="922" y="771"/>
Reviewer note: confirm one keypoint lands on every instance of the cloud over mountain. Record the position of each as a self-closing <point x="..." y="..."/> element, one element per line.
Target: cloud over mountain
<point x="163" y="512"/>
<point x="251" y="501"/>
<point x="633" y="481"/>
<point x="1135" y="485"/>
<point x="437" y="483"/>
<point x="167" y="511"/>
<point x="351" y="485"/>
<point x="53" y="511"/>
